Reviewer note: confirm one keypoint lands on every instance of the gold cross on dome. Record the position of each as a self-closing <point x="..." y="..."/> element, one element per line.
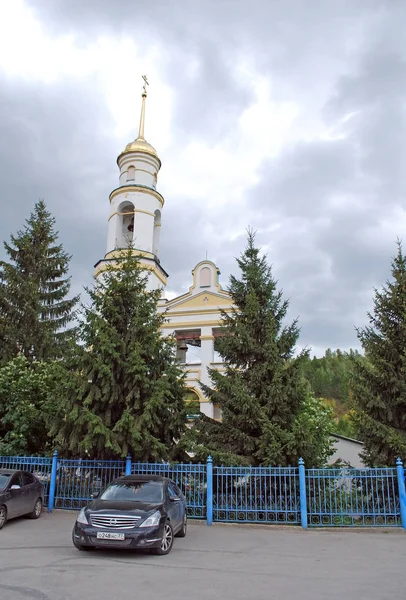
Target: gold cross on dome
<point x="146" y="82"/>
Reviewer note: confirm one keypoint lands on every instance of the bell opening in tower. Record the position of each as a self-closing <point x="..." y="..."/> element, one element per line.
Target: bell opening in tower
<point x="125" y="226"/>
<point x="188" y="346"/>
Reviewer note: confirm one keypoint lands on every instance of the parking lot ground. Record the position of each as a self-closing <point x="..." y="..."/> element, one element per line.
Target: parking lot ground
<point x="38" y="561"/>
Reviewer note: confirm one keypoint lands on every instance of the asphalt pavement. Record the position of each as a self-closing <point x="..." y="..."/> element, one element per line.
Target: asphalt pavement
<point x="38" y="562"/>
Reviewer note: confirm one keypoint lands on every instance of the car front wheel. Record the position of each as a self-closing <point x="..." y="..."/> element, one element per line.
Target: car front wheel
<point x="3" y="516"/>
<point x="80" y="547"/>
<point x="167" y="541"/>
<point x="36" y="513"/>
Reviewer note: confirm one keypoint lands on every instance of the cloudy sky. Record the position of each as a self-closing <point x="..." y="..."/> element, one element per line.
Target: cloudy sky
<point x="286" y="116"/>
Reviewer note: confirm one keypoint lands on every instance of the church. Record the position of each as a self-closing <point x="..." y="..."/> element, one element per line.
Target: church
<point x="194" y="318"/>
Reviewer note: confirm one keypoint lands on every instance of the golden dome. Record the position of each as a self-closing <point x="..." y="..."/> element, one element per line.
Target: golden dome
<point x="140" y="145"/>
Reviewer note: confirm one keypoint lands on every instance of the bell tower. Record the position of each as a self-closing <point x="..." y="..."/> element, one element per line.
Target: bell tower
<point x="136" y="207"/>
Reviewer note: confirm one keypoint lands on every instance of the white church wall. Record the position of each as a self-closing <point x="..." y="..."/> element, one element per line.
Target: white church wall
<point x="144" y="201"/>
<point x="113" y="228"/>
<point x="153" y="282"/>
<point x="207" y="409"/>
<point x="144" y="231"/>
<point x="157" y="232"/>
<point x="207" y="353"/>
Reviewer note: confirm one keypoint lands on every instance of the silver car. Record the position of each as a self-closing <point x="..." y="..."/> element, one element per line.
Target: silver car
<point x="21" y="494"/>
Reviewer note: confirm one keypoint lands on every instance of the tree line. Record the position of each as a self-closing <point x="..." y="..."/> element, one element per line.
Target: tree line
<point x="330" y="378"/>
<point x="100" y="380"/>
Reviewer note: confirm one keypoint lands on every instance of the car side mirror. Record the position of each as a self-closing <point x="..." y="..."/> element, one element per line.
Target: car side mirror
<point x="95" y="495"/>
<point x="174" y="499"/>
<point x="15" y="487"/>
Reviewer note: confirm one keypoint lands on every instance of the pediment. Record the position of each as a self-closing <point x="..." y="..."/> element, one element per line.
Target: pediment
<point x="202" y="300"/>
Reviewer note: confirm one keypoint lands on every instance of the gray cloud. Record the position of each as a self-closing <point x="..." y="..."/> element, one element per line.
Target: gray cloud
<point x="301" y="181"/>
<point x="325" y="209"/>
<point x="337" y="201"/>
<point x="48" y="140"/>
<point x="297" y="44"/>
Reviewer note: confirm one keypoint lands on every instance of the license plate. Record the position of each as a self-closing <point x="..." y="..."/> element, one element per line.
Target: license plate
<point x="106" y="535"/>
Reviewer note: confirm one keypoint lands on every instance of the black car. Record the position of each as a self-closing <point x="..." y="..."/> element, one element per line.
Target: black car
<point x="141" y="512"/>
<point x="20" y="494"/>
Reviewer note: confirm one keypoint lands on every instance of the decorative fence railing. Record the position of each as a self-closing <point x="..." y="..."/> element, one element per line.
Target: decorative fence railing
<point x="256" y="495"/>
<point x="190" y="478"/>
<point x="292" y="495"/>
<point x="77" y="480"/>
<point x="353" y="497"/>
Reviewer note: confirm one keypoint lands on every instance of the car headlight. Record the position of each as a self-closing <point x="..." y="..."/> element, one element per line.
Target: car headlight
<point x="82" y="517"/>
<point x="152" y="521"/>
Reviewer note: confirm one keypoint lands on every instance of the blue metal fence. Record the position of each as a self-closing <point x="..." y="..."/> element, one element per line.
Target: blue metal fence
<point x="77" y="480"/>
<point x="353" y="497"/>
<point x="190" y="478"/>
<point x="256" y="494"/>
<point x="291" y="495"/>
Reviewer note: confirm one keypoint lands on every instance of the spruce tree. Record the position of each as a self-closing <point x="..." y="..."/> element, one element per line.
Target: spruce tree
<point x="126" y="389"/>
<point x="262" y="393"/>
<point x="379" y="381"/>
<point x="35" y="311"/>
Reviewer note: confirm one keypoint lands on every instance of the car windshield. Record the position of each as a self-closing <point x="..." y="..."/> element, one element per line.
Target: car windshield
<point x="4" y="479"/>
<point x="134" y="491"/>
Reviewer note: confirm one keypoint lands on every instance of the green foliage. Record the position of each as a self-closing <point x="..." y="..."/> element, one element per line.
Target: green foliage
<point x="379" y="382"/>
<point x="263" y="395"/>
<point x="330" y="378"/>
<point x="330" y="375"/>
<point x="34" y="310"/>
<point x="312" y="430"/>
<point x="27" y="403"/>
<point x="346" y="426"/>
<point x="125" y="392"/>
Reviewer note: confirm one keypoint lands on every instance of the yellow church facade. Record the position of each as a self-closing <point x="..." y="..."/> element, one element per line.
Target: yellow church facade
<point x="195" y="321"/>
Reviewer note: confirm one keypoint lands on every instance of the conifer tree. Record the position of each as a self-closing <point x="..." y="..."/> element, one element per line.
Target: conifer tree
<point x="35" y="311"/>
<point x="379" y="381"/>
<point x="262" y="394"/>
<point x="126" y="390"/>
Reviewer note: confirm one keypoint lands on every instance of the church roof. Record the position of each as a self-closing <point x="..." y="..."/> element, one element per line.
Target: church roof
<point x="140" y="145"/>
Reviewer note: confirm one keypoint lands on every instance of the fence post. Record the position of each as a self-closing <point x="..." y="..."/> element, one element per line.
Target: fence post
<point x="52" y="485"/>
<point x="209" y="501"/>
<point x="302" y="489"/>
<point x="128" y="465"/>
<point x="402" y="492"/>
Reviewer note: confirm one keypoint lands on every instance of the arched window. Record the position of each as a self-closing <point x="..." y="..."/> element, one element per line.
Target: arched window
<point x="125" y="225"/>
<point x="192" y="401"/>
<point x="131" y="174"/>
<point x="205" y="277"/>
<point x="128" y="221"/>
